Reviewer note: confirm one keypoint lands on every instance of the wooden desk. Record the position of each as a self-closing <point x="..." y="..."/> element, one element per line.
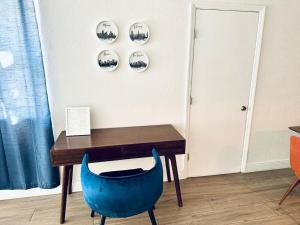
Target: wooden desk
<point x="296" y="129"/>
<point x="117" y="144"/>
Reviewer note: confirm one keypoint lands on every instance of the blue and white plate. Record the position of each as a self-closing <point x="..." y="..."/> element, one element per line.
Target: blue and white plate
<point x="108" y="60"/>
<point x="107" y="31"/>
<point x="139" y="33"/>
<point x="138" y="61"/>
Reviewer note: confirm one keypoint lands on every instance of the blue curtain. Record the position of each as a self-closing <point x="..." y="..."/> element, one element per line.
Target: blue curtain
<point x="25" y="124"/>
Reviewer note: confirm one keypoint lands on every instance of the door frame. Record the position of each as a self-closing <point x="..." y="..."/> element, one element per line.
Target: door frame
<point x="224" y="7"/>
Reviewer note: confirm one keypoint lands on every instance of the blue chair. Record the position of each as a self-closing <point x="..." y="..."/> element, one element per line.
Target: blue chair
<point x="125" y="193"/>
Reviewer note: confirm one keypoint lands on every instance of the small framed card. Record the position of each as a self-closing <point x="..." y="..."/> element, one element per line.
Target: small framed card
<point x="78" y="121"/>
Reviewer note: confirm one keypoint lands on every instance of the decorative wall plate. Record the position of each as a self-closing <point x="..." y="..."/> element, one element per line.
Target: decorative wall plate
<point x="108" y="60"/>
<point x="138" y="61"/>
<point x="107" y="31"/>
<point x="139" y="33"/>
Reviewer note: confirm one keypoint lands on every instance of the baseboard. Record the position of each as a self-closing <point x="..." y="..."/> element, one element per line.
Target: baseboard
<point x="267" y="165"/>
<point x="251" y="167"/>
<point x="14" y="194"/>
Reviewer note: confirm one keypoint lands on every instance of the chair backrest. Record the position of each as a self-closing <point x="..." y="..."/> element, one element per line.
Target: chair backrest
<point x="295" y="155"/>
<point x="122" y="196"/>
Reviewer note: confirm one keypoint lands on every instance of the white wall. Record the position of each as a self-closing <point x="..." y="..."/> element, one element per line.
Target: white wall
<point x="277" y="103"/>
<point x="124" y="98"/>
<point x="277" y="96"/>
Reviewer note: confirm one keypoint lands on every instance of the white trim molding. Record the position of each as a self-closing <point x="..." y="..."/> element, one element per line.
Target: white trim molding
<point x="267" y="165"/>
<point x="13" y="194"/>
<point x="261" y="12"/>
<point x="76" y="187"/>
<point x="192" y="15"/>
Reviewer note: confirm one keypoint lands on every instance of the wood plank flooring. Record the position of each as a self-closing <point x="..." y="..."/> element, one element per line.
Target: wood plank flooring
<point x="235" y="199"/>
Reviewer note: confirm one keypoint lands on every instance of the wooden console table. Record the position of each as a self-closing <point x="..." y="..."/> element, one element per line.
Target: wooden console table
<point x="295" y="129"/>
<point x="116" y="144"/>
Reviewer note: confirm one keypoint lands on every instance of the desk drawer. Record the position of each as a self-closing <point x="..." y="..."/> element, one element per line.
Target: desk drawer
<point x="74" y="156"/>
<point x="145" y="150"/>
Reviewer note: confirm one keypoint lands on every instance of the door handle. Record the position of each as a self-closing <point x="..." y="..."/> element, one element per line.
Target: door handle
<point x="243" y="108"/>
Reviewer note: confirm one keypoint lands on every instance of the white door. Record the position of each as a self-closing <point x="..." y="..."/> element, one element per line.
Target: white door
<point x="224" y="51"/>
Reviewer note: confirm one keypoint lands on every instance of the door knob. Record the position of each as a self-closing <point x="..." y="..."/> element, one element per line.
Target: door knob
<point x="243" y="108"/>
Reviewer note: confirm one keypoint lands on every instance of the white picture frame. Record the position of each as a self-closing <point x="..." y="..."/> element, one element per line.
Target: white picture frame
<point x="78" y="121"/>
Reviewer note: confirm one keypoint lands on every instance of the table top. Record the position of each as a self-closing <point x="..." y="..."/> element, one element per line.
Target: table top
<point x="108" y="137"/>
<point x="295" y="128"/>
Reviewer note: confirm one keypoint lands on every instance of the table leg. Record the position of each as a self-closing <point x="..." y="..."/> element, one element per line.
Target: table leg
<point x="66" y="173"/>
<point x="70" y="180"/>
<point x="168" y="168"/>
<point x="176" y="179"/>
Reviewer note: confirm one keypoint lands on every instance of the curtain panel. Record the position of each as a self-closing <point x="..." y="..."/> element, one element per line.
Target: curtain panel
<point x="25" y="124"/>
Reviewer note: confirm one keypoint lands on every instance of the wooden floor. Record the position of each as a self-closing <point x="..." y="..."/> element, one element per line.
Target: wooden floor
<point x="236" y="199"/>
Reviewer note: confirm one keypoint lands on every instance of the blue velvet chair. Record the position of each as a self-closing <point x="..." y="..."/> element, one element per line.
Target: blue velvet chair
<point x="125" y="193"/>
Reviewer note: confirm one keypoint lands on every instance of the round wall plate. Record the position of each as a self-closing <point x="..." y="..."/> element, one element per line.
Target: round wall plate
<point x="108" y="60"/>
<point x="139" y="33"/>
<point x="107" y="31"/>
<point x="138" y="61"/>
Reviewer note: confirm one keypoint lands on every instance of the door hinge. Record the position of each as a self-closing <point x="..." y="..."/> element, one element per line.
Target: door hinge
<point x="191" y="100"/>
<point x="195" y="33"/>
<point x="188" y="156"/>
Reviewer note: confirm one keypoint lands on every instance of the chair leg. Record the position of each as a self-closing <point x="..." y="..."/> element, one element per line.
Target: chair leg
<point x="152" y="217"/>
<point x="102" y="222"/>
<point x="291" y="188"/>
<point x="92" y="213"/>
